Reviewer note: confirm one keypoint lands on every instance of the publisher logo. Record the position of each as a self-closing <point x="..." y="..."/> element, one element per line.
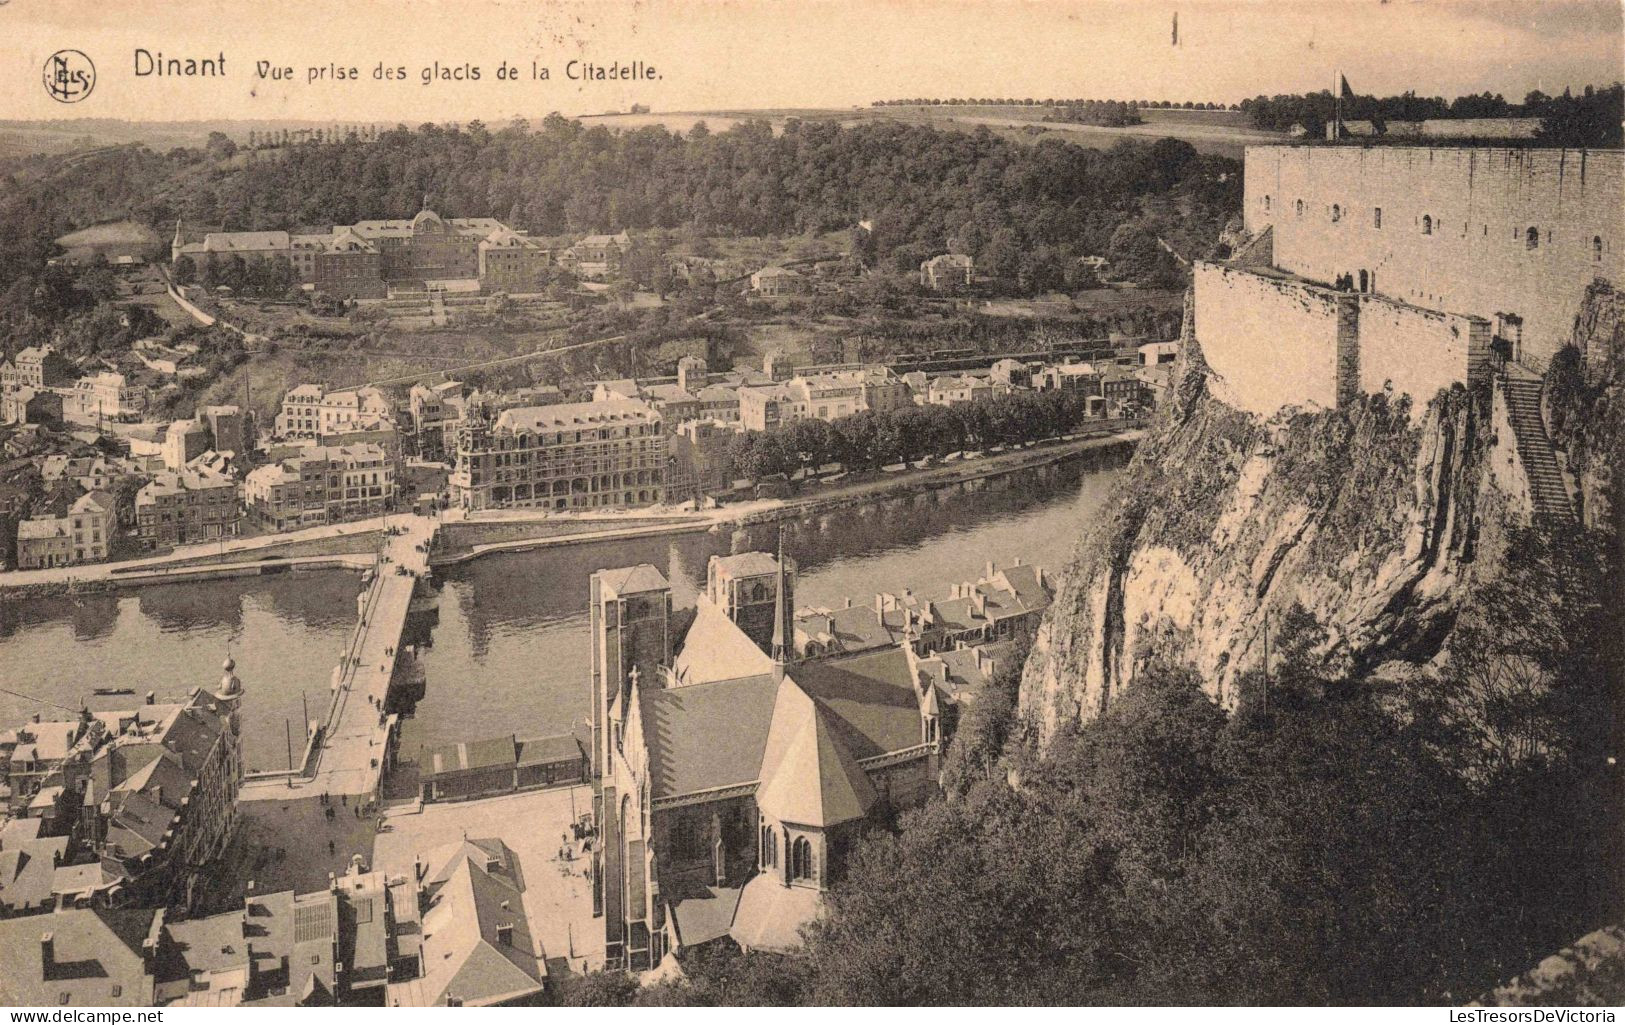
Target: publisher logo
<point x="69" y="76"/>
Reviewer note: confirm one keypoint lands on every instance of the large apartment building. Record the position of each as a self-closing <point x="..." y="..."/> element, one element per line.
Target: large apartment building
<point x="582" y="455"/>
<point x="325" y="484"/>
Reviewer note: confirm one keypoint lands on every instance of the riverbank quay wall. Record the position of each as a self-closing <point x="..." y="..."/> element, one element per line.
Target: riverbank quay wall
<point x="1511" y="235"/>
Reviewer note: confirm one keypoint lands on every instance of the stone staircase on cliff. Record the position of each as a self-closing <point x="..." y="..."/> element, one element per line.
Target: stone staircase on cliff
<point x="1546" y="485"/>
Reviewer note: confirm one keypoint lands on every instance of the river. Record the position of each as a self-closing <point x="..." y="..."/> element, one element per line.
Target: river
<point x="507" y="651"/>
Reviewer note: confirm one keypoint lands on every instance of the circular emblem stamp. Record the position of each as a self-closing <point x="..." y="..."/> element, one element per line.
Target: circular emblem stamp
<point x="69" y="76"/>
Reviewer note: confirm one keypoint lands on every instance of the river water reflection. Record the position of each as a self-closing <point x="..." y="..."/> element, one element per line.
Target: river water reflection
<point x="508" y="651"/>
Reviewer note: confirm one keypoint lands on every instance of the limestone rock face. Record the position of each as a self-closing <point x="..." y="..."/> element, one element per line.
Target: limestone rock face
<point x="1368" y="517"/>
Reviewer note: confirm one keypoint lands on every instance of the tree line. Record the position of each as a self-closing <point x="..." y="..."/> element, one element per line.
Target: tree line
<point x="1589" y="119"/>
<point x="1031" y="102"/>
<point x="870" y="439"/>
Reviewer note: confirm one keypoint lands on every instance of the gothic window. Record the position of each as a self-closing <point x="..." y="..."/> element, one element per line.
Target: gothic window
<point x="801" y="859"/>
<point x="1427" y="224"/>
<point x="1337" y="213"/>
<point x="1596" y="249"/>
<point x="1531" y="238"/>
<point x="1376" y="217"/>
<point x="770" y="847"/>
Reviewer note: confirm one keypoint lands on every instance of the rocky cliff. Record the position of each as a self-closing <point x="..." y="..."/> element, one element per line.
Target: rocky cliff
<point x="1374" y="522"/>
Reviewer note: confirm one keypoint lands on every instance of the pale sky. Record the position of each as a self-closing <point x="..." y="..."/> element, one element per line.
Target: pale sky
<point x="713" y="54"/>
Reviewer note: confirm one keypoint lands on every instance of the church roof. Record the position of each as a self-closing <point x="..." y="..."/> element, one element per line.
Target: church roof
<point x="809" y="776"/>
<point x="872" y="698"/>
<point x="706" y="736"/>
<point x="716" y="649"/>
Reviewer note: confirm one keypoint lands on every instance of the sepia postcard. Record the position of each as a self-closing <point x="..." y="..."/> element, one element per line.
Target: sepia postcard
<point x="896" y="503"/>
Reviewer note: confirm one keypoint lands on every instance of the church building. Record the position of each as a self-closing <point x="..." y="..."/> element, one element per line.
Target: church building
<point x="731" y="781"/>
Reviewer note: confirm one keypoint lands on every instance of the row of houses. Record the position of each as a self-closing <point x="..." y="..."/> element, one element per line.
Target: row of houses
<point x="451" y="932"/>
<point x="116" y="808"/>
<point x="40" y="386"/>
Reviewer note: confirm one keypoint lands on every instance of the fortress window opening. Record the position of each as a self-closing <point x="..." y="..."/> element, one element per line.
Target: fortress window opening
<point x="1427" y="224"/>
<point x="1376" y="217"/>
<point x="1531" y="238"/>
<point x="1298" y="207"/>
<point x="1337" y="213"/>
<point x="1266" y="203"/>
<point x="1596" y="249"/>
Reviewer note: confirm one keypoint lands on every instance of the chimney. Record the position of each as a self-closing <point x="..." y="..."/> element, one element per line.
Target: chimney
<point x="47" y="954"/>
<point x="988" y="573"/>
<point x="846" y="602"/>
<point x="151" y="697"/>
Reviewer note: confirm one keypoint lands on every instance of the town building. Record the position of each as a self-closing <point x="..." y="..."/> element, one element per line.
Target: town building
<point x="475" y="945"/>
<point x="323" y="484"/>
<point x="184" y="441"/>
<point x="81" y="958"/>
<point x="777" y="281"/>
<point x="500" y="765"/>
<point x="103" y="396"/>
<point x="160" y="801"/>
<point x="729" y="782"/>
<point x="85" y="534"/>
<point x="950" y="272"/>
<point x="596" y="257"/>
<point x="28" y="864"/>
<point x="952" y="389"/>
<point x="36" y="367"/>
<point x="583" y="455"/>
<point x="311" y="411"/>
<point x="700" y="459"/>
<point x="340" y="946"/>
<point x="823" y="396"/>
<point x="43" y="543"/>
<point x="998" y="606"/>
<point x="185" y="508"/>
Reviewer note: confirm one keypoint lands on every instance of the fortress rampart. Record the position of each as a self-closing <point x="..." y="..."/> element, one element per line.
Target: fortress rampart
<point x="1273" y="340"/>
<point x="1513" y="236"/>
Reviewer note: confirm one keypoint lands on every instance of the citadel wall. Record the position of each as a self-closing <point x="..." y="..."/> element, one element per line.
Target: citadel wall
<point x="1269" y="340"/>
<point x="1416" y="352"/>
<point x="1511" y="235"/>
<point x="1273" y="340"/>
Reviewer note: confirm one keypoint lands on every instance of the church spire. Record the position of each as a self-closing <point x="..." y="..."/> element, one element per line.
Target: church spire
<point x="783" y="632"/>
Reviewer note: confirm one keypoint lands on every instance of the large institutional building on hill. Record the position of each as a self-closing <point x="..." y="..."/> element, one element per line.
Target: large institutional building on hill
<point x="730" y="782"/>
<point x="1404" y="269"/>
<point x="362" y="260"/>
